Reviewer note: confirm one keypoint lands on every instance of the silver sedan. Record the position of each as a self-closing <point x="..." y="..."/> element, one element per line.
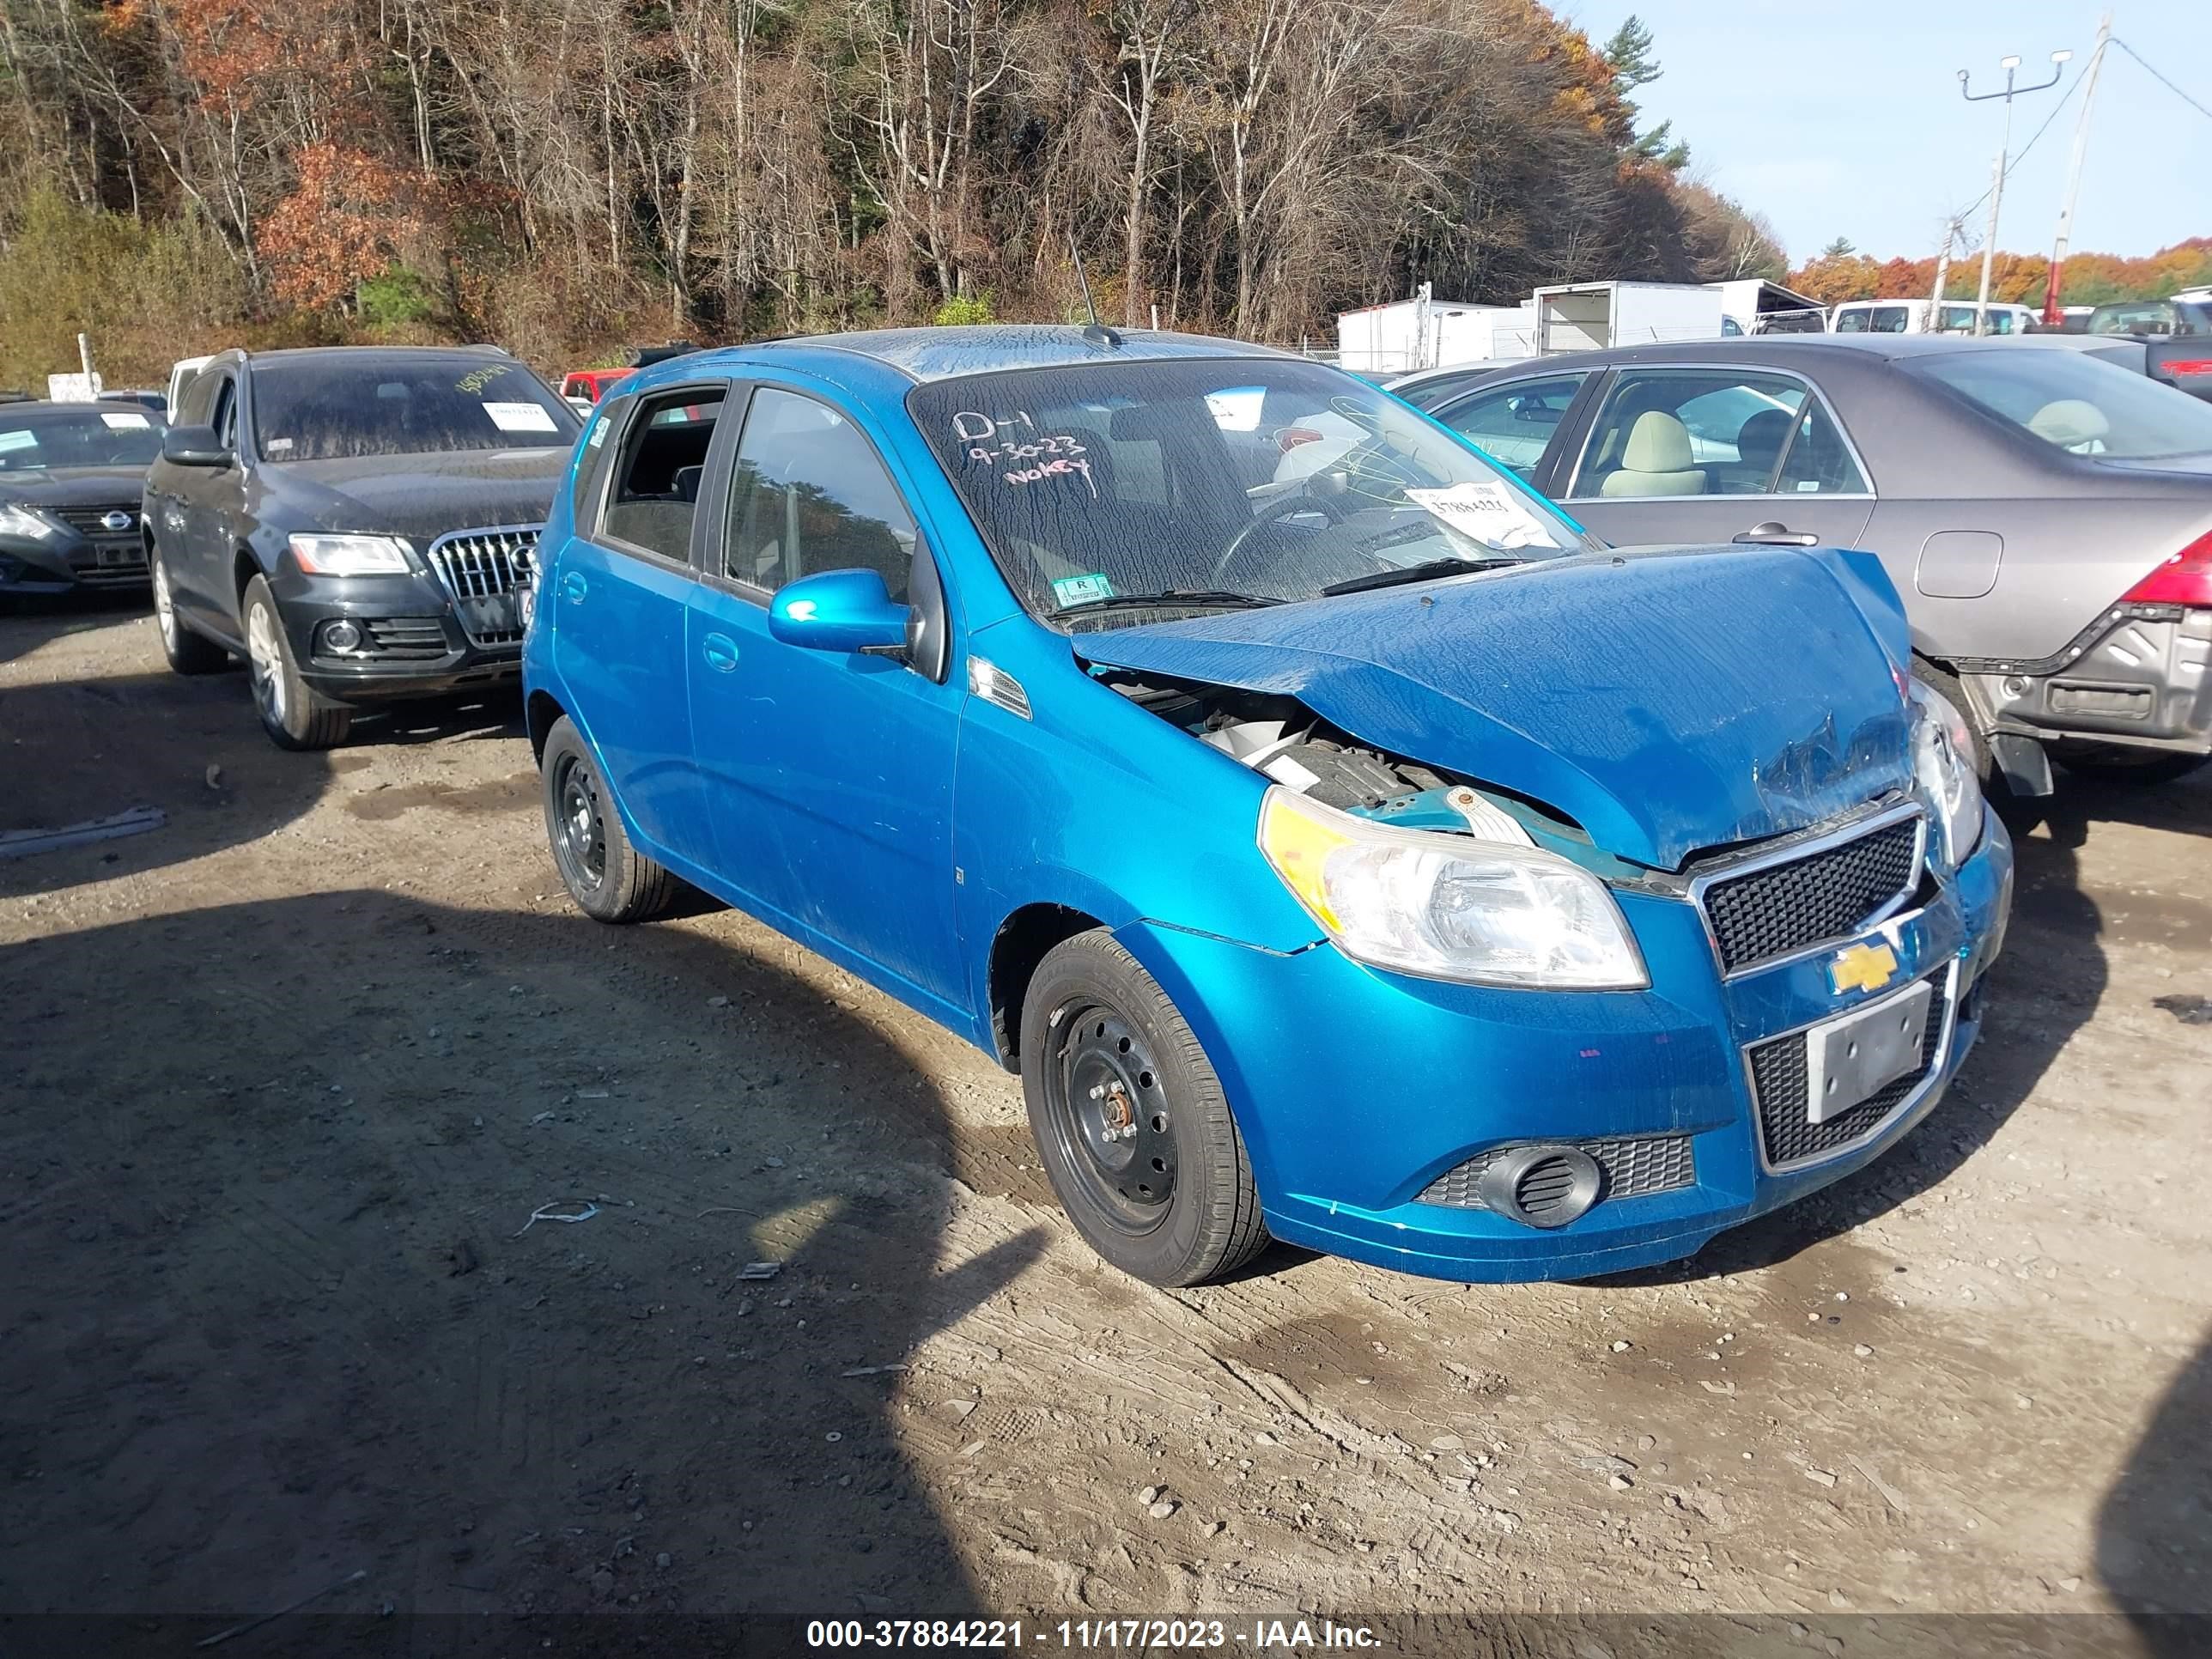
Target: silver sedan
<point x="2046" y="515"/>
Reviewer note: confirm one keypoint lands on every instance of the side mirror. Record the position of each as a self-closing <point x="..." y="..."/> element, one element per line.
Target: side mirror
<point x="840" y="610"/>
<point x="193" y="445"/>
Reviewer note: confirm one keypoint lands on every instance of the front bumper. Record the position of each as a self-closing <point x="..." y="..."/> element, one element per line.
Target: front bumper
<point x="412" y="640"/>
<point x="2139" y="675"/>
<point x="73" y="564"/>
<point x="1357" y="1089"/>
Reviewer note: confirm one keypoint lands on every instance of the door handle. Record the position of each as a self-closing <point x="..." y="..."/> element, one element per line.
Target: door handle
<point x="1774" y="533"/>
<point x="721" y="652"/>
<point x="573" y="587"/>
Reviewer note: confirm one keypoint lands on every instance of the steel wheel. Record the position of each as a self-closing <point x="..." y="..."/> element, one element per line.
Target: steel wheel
<point x="265" y="657"/>
<point x="581" y="841"/>
<point x="1111" y="1114"/>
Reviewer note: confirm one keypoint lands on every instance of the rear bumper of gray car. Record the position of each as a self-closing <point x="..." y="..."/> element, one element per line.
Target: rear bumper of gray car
<point x="2140" y="675"/>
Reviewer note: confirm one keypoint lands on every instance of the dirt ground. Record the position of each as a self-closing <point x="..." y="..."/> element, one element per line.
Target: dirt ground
<point x="284" y="1080"/>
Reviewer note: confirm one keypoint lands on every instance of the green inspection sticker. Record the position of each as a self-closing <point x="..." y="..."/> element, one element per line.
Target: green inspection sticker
<point x="1081" y="590"/>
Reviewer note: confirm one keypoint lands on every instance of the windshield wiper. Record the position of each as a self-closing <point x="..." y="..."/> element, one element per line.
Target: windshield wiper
<point x="1427" y="570"/>
<point x="1216" y="597"/>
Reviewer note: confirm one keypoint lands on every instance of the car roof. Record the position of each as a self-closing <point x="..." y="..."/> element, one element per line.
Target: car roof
<point x="1807" y="351"/>
<point x="394" y="353"/>
<point x="923" y="354"/>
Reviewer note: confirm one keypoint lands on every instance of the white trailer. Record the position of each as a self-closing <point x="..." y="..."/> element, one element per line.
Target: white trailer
<point x="1425" y="332"/>
<point x="1759" y="307"/>
<point x="1597" y="316"/>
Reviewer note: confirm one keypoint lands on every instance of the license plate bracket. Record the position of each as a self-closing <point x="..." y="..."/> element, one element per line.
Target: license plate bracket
<point x="1853" y="1057"/>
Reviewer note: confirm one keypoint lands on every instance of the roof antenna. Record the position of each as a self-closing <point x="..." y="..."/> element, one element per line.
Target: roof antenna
<point x="1097" y="334"/>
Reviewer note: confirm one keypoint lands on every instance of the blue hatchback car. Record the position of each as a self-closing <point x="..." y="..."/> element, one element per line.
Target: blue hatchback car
<point x="1341" y="843"/>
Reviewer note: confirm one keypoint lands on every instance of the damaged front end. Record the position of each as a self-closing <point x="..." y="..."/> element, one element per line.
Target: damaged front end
<point x="1410" y="868"/>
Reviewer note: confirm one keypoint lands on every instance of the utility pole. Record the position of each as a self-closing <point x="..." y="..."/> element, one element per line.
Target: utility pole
<point x="2052" y="315"/>
<point x="1953" y="228"/>
<point x="2011" y="67"/>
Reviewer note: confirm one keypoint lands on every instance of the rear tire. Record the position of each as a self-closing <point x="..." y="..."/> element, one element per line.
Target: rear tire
<point x="293" y="715"/>
<point x="611" y="880"/>
<point x="1169" y="1197"/>
<point x="2116" y="762"/>
<point x="187" y="653"/>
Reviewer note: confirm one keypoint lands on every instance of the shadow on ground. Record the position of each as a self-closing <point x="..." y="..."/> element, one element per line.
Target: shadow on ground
<point x="2154" y="1528"/>
<point x="275" y="1312"/>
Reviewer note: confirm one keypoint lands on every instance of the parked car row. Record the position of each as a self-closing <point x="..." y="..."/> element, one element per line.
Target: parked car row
<point x="1342" y="842"/>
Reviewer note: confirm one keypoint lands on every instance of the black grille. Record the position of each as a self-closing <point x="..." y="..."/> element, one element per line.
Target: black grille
<point x="110" y="564"/>
<point x="86" y="520"/>
<point x="1779" y="1081"/>
<point x="1631" y="1167"/>
<point x="1829" y="895"/>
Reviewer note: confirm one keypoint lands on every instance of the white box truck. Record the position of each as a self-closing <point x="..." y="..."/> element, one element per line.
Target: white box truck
<point x="1597" y="316"/>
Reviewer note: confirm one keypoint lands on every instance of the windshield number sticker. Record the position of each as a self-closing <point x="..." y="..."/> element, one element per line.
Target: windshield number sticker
<point x="276" y="446"/>
<point x="1082" y="590"/>
<point x="123" y="421"/>
<point x="1489" y="512"/>
<point x="20" y="438"/>
<point x="519" y="417"/>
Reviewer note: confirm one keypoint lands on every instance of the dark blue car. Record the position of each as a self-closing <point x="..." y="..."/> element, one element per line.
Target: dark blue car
<point x="1349" y="850"/>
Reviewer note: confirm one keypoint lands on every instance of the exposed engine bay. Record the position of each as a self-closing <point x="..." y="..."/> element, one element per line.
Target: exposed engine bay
<point x="1286" y="742"/>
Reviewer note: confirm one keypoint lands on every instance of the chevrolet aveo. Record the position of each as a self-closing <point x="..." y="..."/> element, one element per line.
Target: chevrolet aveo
<point x="1358" y="854"/>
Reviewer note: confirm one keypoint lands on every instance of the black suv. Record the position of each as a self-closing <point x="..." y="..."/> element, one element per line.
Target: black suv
<point x="358" y="522"/>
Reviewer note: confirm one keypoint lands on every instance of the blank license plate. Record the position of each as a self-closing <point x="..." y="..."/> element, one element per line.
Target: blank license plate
<point x="1855" y="1055"/>
<point x="115" y="555"/>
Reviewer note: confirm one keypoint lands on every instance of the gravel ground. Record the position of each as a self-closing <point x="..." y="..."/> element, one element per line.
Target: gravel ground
<point x="286" y="1079"/>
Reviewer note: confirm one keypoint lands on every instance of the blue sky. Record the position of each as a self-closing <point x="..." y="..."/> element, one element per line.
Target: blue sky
<point x="1845" y="120"/>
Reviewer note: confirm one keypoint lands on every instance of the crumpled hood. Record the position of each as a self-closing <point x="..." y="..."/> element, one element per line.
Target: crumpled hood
<point x="1669" y="700"/>
<point x="421" y="496"/>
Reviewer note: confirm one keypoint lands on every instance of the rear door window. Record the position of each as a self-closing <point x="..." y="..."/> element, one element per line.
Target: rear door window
<point x="656" y="495"/>
<point x="1670" y="433"/>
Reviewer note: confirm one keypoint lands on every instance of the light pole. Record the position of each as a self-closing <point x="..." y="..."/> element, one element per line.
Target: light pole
<point x="2011" y="67"/>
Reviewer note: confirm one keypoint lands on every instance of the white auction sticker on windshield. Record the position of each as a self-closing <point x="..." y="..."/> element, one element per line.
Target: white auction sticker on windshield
<point x="519" y="417"/>
<point x="1493" y="512"/>
<point x="18" y="439"/>
<point x="123" y="420"/>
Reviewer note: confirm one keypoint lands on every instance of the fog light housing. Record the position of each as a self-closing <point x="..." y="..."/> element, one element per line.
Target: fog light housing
<point x="1543" y="1186"/>
<point x="342" y="636"/>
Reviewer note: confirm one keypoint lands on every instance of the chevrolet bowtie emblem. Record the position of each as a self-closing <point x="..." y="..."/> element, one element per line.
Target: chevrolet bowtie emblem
<point x="1863" y="968"/>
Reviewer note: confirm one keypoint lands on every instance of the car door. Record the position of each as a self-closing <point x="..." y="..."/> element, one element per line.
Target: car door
<point x="1689" y="455"/>
<point x="618" y="616"/>
<point x="212" y="499"/>
<point x="1518" y="423"/>
<point x="828" y="776"/>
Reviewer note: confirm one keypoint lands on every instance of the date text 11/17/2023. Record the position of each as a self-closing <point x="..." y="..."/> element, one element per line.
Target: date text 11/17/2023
<point x="1257" y="1635"/>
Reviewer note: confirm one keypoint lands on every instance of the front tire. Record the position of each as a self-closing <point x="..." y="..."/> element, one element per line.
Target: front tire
<point x="611" y="880"/>
<point x="2118" y="762"/>
<point x="187" y="653"/>
<point x="1130" y="1120"/>
<point x="294" y="716"/>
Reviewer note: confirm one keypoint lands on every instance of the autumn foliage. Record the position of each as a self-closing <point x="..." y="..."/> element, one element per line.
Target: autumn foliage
<point x="2014" y="278"/>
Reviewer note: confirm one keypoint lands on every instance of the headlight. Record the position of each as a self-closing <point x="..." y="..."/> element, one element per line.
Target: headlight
<point x="1943" y="766"/>
<point x="351" y="556"/>
<point x="1447" y="907"/>
<point x="21" y="521"/>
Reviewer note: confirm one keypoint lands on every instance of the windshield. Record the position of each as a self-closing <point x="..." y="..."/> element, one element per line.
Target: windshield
<point x="336" y="407"/>
<point x="86" y="435"/>
<point x="1219" y="481"/>
<point x="2077" y="403"/>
